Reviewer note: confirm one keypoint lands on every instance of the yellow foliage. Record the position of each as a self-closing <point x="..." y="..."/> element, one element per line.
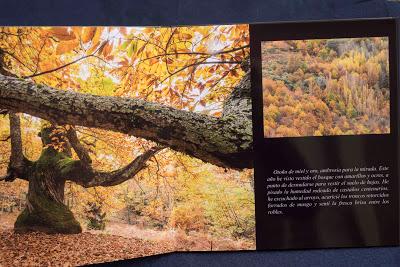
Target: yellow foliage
<point x="188" y="218"/>
<point x="326" y="88"/>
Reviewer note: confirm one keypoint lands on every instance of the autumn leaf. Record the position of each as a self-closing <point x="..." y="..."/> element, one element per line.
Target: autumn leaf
<point x="88" y="34"/>
<point x="47" y="64"/>
<point x="102" y="46"/>
<point x="97" y="35"/>
<point x="110" y="57"/>
<point x="92" y="48"/>
<point x="123" y="30"/>
<point x="66" y="46"/>
<point x="132" y="48"/>
<point x="234" y="73"/>
<point x="148" y="30"/>
<point x="95" y="40"/>
<point x="153" y="60"/>
<point x="62" y="33"/>
<point x="140" y="50"/>
<point x="151" y="82"/>
<point x="107" y="49"/>
<point x="201" y="87"/>
<point x="186" y="36"/>
<point x="185" y="50"/>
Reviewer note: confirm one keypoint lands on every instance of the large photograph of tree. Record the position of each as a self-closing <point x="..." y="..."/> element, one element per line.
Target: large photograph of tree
<point x="122" y="142"/>
<point x="325" y="87"/>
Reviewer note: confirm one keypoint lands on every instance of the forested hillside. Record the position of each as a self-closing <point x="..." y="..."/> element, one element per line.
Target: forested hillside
<point x="326" y="87"/>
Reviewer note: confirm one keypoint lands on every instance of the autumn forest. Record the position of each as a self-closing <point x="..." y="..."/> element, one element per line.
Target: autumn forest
<point x="122" y="142"/>
<point x="326" y="87"/>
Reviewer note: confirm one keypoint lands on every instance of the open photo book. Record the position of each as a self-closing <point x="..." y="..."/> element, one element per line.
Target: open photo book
<point x="122" y="142"/>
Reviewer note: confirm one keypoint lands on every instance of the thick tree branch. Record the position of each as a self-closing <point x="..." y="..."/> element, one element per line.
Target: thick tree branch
<point x="82" y="172"/>
<point x="78" y="173"/>
<point x="80" y="150"/>
<point x="239" y="99"/>
<point x="225" y="141"/>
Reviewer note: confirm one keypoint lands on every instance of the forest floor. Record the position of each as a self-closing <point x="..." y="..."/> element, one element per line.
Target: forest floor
<point x="117" y="242"/>
<point x="38" y="249"/>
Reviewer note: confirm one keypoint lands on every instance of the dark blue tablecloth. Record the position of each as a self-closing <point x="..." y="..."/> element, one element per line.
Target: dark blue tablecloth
<point x="173" y="12"/>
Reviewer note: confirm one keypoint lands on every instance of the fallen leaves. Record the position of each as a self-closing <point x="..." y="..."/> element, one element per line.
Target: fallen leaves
<point x="38" y="249"/>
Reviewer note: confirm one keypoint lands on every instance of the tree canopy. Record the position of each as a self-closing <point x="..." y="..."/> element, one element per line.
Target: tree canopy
<point x="162" y="75"/>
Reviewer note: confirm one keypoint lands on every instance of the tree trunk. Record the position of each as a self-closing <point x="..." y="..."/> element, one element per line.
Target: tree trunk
<point x="45" y="210"/>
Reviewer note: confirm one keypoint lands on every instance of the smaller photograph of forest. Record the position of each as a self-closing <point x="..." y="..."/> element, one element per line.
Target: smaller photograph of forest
<point x="324" y="87"/>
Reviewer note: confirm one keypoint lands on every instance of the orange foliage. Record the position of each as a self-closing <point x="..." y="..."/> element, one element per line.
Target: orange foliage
<point x="326" y="87"/>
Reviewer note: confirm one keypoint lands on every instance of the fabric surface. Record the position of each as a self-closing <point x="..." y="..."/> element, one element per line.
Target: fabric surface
<point x="184" y="12"/>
